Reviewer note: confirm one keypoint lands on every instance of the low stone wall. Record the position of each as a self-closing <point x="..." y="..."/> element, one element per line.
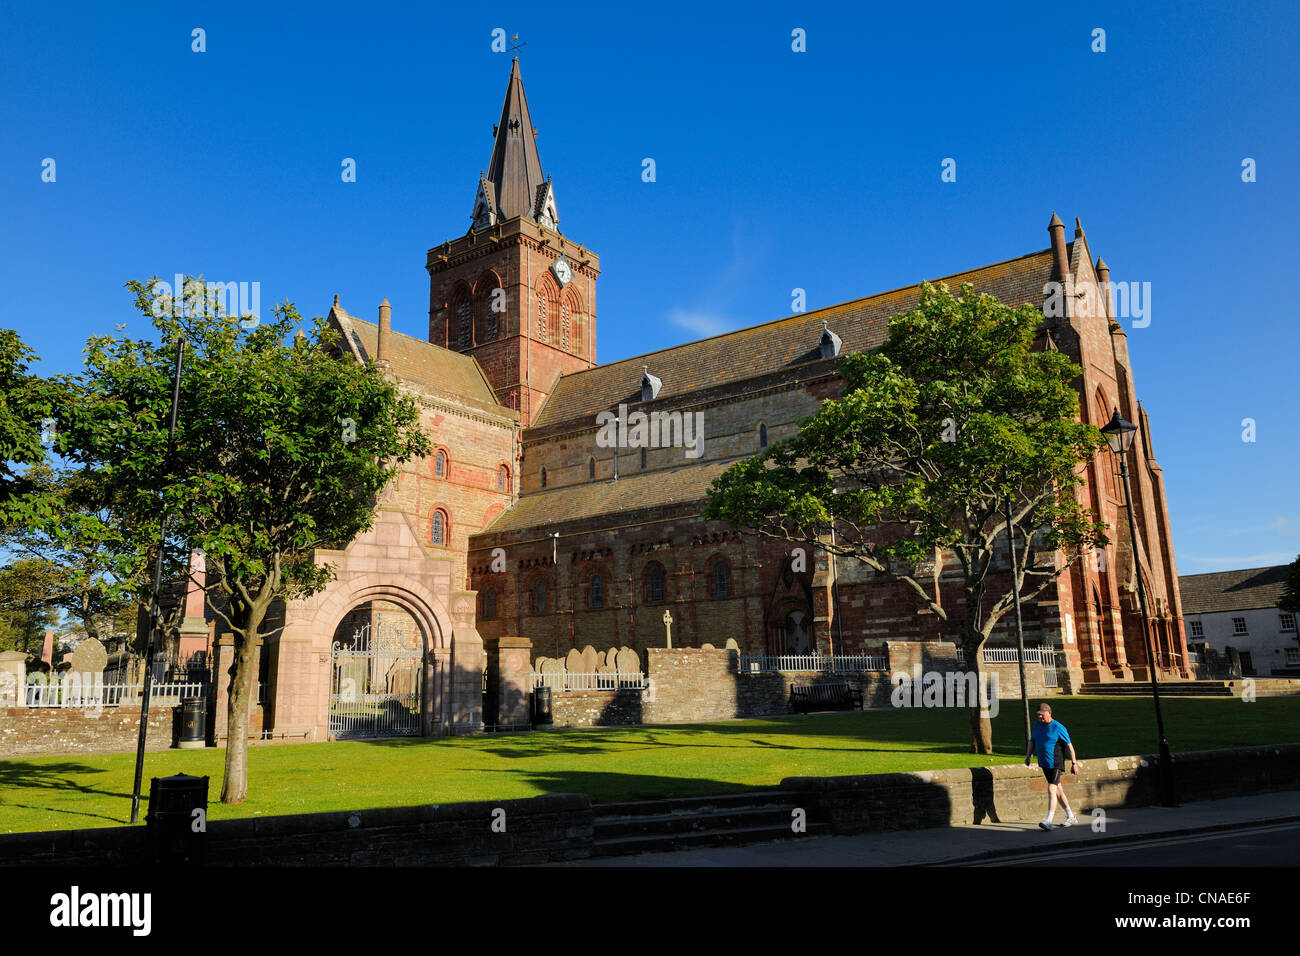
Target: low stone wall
<point x="35" y="731"/>
<point x="536" y="830"/>
<point x="688" y="685"/>
<point x="936" y="798"/>
<point x="768" y="694"/>
<point x="595" y="708"/>
<point x="1009" y="680"/>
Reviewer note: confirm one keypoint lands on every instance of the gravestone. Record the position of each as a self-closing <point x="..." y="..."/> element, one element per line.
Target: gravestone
<point x="88" y="660"/>
<point x="731" y="645"/>
<point x="553" y="673"/>
<point x="573" y="661"/>
<point x="590" y="660"/>
<point x="627" y="661"/>
<point x="707" y="647"/>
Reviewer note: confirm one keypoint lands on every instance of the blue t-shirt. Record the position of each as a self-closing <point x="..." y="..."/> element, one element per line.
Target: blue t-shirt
<point x="1045" y="738"/>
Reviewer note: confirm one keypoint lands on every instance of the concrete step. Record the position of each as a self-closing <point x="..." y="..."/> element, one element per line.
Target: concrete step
<point x="677" y="824"/>
<point x="721" y="837"/>
<point x="726" y="801"/>
<point x="722" y="820"/>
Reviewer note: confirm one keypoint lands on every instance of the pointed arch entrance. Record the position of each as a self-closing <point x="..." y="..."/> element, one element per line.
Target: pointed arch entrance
<point x="385" y="574"/>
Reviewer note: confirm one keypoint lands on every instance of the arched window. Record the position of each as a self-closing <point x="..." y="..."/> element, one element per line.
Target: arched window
<point x="720" y="580"/>
<point x="466" y="318"/>
<point x="543" y="477"/>
<point x="762" y="436"/>
<point x="489" y="605"/>
<point x="643" y="459"/>
<point x="653" y="581"/>
<point x="565" y="324"/>
<point x="440" y="464"/>
<point x="596" y="592"/>
<point x="441" y="533"/>
<point x="591" y="469"/>
<point x="503" y="478"/>
<point x="490" y="303"/>
<point x="537" y="597"/>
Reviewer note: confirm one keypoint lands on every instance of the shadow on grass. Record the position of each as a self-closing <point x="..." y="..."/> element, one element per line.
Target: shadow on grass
<point x="578" y="742"/>
<point x="19" y="778"/>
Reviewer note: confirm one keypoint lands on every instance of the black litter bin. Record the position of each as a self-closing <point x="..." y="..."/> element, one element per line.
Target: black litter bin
<point x="177" y="821"/>
<point x="192" y="729"/>
<point x="542" y="706"/>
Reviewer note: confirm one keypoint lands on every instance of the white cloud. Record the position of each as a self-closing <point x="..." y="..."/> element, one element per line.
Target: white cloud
<point x="701" y="323"/>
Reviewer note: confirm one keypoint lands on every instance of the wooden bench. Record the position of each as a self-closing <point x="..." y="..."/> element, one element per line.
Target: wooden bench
<point x="827" y="696"/>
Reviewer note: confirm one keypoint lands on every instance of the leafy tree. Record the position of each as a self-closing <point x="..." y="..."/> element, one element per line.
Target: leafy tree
<point x="25" y="407"/>
<point x="1290" y="600"/>
<point x="23" y="624"/>
<point x="281" y="448"/>
<point x="931" y="433"/>
<point x="74" y="556"/>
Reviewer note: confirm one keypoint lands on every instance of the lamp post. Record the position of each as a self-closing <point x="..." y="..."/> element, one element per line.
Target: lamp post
<point x="1119" y="436"/>
<point x="1020" y="629"/>
<point x="155" y="613"/>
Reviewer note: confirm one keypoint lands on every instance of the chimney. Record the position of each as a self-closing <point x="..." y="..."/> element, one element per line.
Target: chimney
<point x="384" y="351"/>
<point x="1056" y="229"/>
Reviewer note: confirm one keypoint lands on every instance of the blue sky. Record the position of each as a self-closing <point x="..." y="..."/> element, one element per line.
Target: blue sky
<point x="775" y="170"/>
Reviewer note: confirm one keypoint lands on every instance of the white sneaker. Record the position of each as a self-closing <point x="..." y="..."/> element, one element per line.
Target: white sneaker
<point x="1045" y="824"/>
<point x="1070" y="821"/>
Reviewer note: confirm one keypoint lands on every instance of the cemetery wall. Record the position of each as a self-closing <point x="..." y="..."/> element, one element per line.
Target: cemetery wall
<point x="32" y="731"/>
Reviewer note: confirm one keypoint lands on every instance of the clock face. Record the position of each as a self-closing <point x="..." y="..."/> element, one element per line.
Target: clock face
<point x="562" y="271"/>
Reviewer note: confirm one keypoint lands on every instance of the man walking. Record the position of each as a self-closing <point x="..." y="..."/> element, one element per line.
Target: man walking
<point x="1050" y="738"/>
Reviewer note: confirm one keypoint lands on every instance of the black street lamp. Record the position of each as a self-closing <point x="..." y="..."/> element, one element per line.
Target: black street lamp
<point x="1119" y="435"/>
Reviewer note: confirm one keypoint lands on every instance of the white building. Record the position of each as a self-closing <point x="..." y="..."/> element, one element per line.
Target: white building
<point x="1238" y="609"/>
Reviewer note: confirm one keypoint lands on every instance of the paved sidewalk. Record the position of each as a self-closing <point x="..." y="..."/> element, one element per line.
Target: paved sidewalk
<point x="976" y="842"/>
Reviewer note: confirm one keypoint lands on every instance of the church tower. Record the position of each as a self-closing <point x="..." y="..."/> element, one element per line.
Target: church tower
<point x="513" y="291"/>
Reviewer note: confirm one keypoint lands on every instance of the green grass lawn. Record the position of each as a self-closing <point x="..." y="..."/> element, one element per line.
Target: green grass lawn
<point x="612" y="764"/>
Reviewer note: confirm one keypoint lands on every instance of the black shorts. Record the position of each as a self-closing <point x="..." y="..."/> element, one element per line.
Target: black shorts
<point x="1053" y="774"/>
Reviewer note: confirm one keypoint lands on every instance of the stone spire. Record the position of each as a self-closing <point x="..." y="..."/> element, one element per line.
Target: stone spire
<point x="514" y="180"/>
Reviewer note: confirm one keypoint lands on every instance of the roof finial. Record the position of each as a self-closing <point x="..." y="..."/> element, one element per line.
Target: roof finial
<point x="336" y="298"/>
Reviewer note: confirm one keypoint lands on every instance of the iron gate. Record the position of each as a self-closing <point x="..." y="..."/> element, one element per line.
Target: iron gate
<point x="1047" y="653"/>
<point x="375" y="684"/>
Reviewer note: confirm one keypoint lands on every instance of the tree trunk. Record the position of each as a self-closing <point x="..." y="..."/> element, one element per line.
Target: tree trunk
<point x="981" y="726"/>
<point x="981" y="731"/>
<point x="234" y="785"/>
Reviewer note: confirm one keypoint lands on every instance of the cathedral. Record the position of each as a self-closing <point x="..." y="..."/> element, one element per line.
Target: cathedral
<point x="527" y="528"/>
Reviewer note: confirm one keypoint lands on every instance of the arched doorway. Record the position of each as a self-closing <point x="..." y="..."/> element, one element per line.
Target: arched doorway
<point x="376" y="673"/>
<point x="789" y="628"/>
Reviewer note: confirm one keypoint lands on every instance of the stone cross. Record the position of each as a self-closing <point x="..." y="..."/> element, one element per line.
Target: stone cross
<point x="668" y="627"/>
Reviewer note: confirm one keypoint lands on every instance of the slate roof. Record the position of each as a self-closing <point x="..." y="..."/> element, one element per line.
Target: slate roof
<point x="685" y="484"/>
<point x="1232" y="590"/>
<point x="762" y="349"/>
<point x="720" y="360"/>
<point x="423" y="363"/>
